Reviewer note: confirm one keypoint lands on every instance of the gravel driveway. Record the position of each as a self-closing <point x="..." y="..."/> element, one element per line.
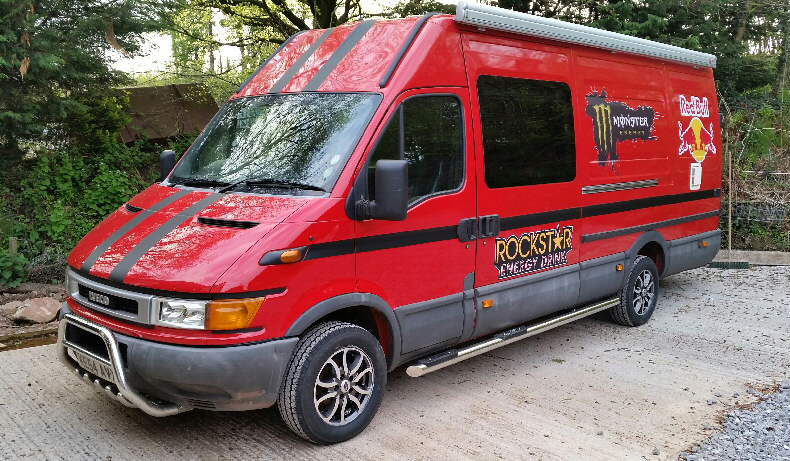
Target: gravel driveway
<point x="588" y="390"/>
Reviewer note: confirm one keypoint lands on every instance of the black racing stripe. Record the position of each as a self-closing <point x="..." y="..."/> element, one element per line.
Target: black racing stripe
<point x="348" y="44"/>
<point x="288" y="75"/>
<point x="381" y="242"/>
<point x="630" y="205"/>
<point x="131" y="224"/>
<point x="536" y="219"/>
<point x="325" y="250"/>
<point x="647" y="227"/>
<point x="262" y="66"/>
<point x="406" y="45"/>
<point x="408" y="238"/>
<point x="122" y="268"/>
<point x="180" y="294"/>
<point x="437" y="234"/>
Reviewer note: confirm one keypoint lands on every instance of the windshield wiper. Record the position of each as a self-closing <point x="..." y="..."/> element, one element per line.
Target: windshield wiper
<point x="267" y="182"/>
<point x="198" y="182"/>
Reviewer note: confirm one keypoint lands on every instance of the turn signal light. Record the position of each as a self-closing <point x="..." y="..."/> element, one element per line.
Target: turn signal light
<point x="488" y="303"/>
<point x="704" y="244"/>
<point x="291" y="256"/>
<point x="231" y="314"/>
<point x="620" y="267"/>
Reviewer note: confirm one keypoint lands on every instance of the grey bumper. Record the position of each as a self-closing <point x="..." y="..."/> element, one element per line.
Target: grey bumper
<point x="164" y="379"/>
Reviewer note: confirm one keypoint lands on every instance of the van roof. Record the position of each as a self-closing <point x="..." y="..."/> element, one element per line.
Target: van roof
<point x="363" y="56"/>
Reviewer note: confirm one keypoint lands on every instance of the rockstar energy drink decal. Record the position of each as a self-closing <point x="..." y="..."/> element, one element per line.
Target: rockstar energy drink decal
<point x="533" y="251"/>
<point x="614" y="122"/>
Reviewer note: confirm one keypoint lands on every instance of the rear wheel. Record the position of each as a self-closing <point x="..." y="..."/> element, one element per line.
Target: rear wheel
<point x="334" y="383"/>
<point x="639" y="294"/>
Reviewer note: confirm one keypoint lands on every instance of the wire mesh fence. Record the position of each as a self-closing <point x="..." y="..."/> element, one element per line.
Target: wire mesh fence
<point x="760" y="210"/>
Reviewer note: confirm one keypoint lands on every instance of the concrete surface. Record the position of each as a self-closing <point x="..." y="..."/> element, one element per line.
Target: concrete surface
<point x="757" y="258"/>
<point x="588" y="390"/>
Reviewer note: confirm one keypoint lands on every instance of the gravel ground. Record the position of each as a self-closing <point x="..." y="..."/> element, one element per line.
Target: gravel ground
<point x="761" y="432"/>
<point x="590" y="390"/>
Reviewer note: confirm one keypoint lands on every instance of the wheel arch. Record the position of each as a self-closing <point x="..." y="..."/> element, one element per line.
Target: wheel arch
<point x="364" y="309"/>
<point x="653" y="245"/>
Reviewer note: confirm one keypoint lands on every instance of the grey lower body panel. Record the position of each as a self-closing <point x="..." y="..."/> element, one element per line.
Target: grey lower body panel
<point x="223" y="378"/>
<point x="214" y="378"/>
<point x="527" y="298"/>
<point x="692" y="252"/>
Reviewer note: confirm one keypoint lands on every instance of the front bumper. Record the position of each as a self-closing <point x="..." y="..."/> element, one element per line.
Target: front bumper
<point x="165" y="379"/>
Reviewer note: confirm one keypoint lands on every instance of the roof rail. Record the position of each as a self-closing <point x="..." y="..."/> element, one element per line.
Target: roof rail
<point x="491" y="17"/>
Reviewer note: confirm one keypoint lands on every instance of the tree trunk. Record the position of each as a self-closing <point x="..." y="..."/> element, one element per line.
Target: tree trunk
<point x="743" y="20"/>
<point x="783" y="63"/>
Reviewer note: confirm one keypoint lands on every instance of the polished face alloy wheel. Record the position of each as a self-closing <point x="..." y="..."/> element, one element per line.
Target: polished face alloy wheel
<point x="644" y="291"/>
<point x="343" y="386"/>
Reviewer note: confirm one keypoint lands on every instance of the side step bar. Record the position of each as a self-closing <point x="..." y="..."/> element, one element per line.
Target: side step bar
<point x="453" y="356"/>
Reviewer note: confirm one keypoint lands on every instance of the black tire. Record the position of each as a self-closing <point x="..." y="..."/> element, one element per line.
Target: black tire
<point x="301" y="389"/>
<point x="635" y="308"/>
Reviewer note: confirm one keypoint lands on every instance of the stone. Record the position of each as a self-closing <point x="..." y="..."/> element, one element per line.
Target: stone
<point x="10" y="309"/>
<point x="712" y="401"/>
<point x="785" y="384"/>
<point x="38" y="310"/>
<point x="655" y="451"/>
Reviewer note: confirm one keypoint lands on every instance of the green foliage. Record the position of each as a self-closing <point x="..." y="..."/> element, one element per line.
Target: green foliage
<point x="55" y="56"/>
<point x="12" y="268"/>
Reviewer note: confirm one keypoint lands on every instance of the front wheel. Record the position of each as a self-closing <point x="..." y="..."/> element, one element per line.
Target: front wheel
<point x="639" y="295"/>
<point x="334" y="383"/>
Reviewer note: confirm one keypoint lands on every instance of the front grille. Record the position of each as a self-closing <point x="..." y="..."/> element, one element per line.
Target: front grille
<point x="115" y="303"/>
<point x="86" y="340"/>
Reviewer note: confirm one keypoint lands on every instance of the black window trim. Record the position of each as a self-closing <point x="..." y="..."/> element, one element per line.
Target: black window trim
<point x="399" y="113"/>
<point x="482" y="140"/>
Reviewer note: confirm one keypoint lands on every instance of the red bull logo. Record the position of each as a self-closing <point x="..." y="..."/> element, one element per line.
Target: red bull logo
<point x="696" y="139"/>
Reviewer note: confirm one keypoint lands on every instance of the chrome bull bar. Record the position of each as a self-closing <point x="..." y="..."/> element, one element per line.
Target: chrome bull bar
<point x="120" y="389"/>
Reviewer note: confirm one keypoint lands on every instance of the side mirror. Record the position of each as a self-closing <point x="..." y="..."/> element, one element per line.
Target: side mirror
<point x="167" y="160"/>
<point x="392" y="192"/>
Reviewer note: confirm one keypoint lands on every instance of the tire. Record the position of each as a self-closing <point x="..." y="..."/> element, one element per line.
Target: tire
<point x="639" y="294"/>
<point x="311" y="378"/>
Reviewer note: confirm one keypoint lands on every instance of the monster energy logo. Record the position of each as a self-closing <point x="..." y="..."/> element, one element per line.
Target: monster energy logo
<point x="615" y="121"/>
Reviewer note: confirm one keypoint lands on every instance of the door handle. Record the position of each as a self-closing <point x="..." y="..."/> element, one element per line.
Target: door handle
<point x="467" y="229"/>
<point x="473" y="228"/>
<point x="489" y="226"/>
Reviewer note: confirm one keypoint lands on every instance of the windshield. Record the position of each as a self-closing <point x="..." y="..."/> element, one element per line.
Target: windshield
<point x="278" y="142"/>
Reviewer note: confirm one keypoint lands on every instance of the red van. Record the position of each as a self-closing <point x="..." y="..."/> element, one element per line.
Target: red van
<point x="414" y="191"/>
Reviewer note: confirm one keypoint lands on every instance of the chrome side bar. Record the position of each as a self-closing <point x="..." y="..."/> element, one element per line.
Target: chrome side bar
<point x="447" y="358"/>
<point x="126" y="394"/>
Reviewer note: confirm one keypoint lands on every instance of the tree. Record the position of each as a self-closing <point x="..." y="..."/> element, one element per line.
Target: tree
<point x="54" y="56"/>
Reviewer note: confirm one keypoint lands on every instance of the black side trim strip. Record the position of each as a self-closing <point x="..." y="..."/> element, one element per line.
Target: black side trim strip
<point x="132" y="209"/>
<point x="131" y="224"/>
<point x="647" y="227"/>
<point x="240" y="330"/>
<point x="629" y="205"/>
<point x="260" y="68"/>
<point x="437" y="234"/>
<point x="122" y="268"/>
<point x="180" y="294"/>
<point x="348" y="44"/>
<point x="535" y="219"/>
<point x="288" y="75"/>
<point x="406" y="45"/>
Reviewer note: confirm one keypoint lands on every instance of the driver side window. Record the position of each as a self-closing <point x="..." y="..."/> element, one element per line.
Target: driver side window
<point x="426" y="131"/>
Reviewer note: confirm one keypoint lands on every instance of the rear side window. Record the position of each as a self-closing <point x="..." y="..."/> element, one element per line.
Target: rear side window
<point x="527" y="131"/>
<point x="426" y="132"/>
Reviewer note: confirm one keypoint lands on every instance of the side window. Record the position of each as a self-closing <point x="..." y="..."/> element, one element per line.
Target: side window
<point x="426" y="132"/>
<point x="527" y="131"/>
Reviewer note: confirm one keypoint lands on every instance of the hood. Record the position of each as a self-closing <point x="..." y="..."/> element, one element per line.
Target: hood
<point x="176" y="239"/>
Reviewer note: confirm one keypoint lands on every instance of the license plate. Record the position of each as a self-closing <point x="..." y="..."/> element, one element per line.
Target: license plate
<point x="93" y="366"/>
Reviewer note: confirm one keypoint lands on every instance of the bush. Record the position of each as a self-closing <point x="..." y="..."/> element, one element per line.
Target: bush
<point x="13" y="268"/>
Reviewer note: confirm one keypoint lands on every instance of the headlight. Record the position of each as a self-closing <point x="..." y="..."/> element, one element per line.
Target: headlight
<point x="220" y="314"/>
